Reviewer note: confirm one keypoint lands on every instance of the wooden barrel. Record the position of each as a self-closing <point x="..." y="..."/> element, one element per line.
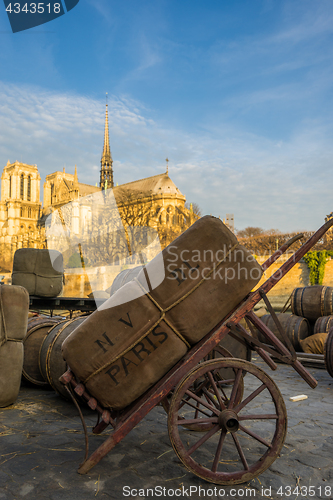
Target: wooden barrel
<point x="38" y="328"/>
<point x="328" y="352"/>
<point x="51" y="363"/>
<point x="323" y="324"/>
<point x="295" y="327"/>
<point x="312" y="302"/>
<point x="124" y="277"/>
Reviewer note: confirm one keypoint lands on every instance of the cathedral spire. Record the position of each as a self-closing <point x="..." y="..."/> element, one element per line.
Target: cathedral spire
<point x="106" y="177"/>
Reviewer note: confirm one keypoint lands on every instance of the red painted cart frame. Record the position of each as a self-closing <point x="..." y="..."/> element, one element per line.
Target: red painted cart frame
<point x="224" y="415"/>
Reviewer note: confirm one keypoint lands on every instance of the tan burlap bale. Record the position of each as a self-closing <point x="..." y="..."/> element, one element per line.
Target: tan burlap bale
<point x="138" y="334"/>
<point x="123" y="348"/>
<point x="207" y="272"/>
<point x="315" y="343"/>
<point x="14" y="308"/>
<point x="125" y="276"/>
<point x="40" y="271"/>
<point x="11" y="362"/>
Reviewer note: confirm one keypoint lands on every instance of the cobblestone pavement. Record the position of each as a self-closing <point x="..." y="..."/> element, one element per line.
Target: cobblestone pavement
<point x="42" y="444"/>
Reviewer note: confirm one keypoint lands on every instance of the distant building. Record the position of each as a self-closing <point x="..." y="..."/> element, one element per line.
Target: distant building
<point x="20" y="208"/>
<point x="154" y="201"/>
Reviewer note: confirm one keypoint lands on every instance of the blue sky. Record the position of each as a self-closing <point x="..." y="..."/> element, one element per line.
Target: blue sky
<point x="238" y="96"/>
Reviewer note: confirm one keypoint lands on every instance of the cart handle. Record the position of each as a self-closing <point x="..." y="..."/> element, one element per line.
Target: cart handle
<point x="286" y="266"/>
<point x="280" y="251"/>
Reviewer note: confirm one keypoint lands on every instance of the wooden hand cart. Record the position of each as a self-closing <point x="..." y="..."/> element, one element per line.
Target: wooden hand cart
<point x="221" y="431"/>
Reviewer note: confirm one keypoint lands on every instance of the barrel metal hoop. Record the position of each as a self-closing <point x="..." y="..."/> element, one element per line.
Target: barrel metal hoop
<point x="49" y="350"/>
<point x="322" y="301"/>
<point x="301" y="302"/>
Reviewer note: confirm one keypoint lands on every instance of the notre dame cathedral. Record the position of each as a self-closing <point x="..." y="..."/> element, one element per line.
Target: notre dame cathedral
<point x="154" y="201"/>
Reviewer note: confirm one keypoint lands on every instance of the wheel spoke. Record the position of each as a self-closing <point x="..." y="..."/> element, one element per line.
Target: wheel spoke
<point x="240" y="451"/>
<point x="263" y="430"/>
<point x="196" y="413"/>
<point x="197" y="389"/>
<point x="217" y="393"/>
<point x="266" y="416"/>
<point x="227" y="381"/>
<point x="250" y="398"/>
<point x="235" y="389"/>
<point x="224" y="394"/>
<point x="204" y="438"/>
<point x="218" y="451"/>
<point x="196" y="408"/>
<point x="184" y="402"/>
<point x="188" y="421"/>
<point x="202" y="401"/>
<point x="255" y="436"/>
<point x="209" y="396"/>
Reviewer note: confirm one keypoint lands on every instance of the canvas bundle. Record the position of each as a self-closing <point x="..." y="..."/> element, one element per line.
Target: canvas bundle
<point x="14" y="306"/>
<point x="39" y="271"/>
<point x="138" y="334"/>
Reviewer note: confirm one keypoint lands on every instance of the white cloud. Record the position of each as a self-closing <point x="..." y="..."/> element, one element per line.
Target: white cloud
<point x="285" y="185"/>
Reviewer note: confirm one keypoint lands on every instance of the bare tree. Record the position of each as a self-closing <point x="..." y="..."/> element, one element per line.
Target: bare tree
<point x="249" y="232"/>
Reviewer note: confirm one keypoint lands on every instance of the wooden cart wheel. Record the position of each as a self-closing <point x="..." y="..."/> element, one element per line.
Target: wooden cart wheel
<point x="243" y="438"/>
<point x="226" y="375"/>
<point x="328" y="352"/>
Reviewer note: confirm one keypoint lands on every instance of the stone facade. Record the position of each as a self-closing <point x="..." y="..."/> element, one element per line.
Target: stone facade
<point x="154" y="202"/>
<point x="20" y="209"/>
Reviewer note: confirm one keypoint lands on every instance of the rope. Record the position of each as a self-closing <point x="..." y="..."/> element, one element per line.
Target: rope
<point x="38" y="274"/>
<point x="83" y="423"/>
<point x="124" y="352"/>
<point x="162" y="317"/>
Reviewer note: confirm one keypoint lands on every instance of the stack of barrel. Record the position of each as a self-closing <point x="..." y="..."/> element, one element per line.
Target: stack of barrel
<point x="316" y="304"/>
<point x="310" y="322"/>
<point x="43" y="363"/>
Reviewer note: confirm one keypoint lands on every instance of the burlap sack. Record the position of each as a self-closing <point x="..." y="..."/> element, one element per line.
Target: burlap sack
<point x="39" y="271"/>
<point x="11" y="362"/>
<point x="131" y="341"/>
<point x="315" y="343"/>
<point x="119" y="351"/>
<point x="14" y="306"/>
<point x="207" y="274"/>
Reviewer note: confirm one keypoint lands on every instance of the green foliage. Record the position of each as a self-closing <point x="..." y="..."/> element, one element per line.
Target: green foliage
<point x="316" y="262"/>
<point x="75" y="260"/>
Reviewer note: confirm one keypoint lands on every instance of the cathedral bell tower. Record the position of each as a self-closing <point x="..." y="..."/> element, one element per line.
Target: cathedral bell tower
<point x="106" y="177"/>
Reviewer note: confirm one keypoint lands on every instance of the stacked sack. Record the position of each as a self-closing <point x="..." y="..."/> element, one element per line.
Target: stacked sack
<point x="141" y="331"/>
<point x="40" y="271"/>
<point x="316" y="304"/>
<point x="14" y="308"/>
